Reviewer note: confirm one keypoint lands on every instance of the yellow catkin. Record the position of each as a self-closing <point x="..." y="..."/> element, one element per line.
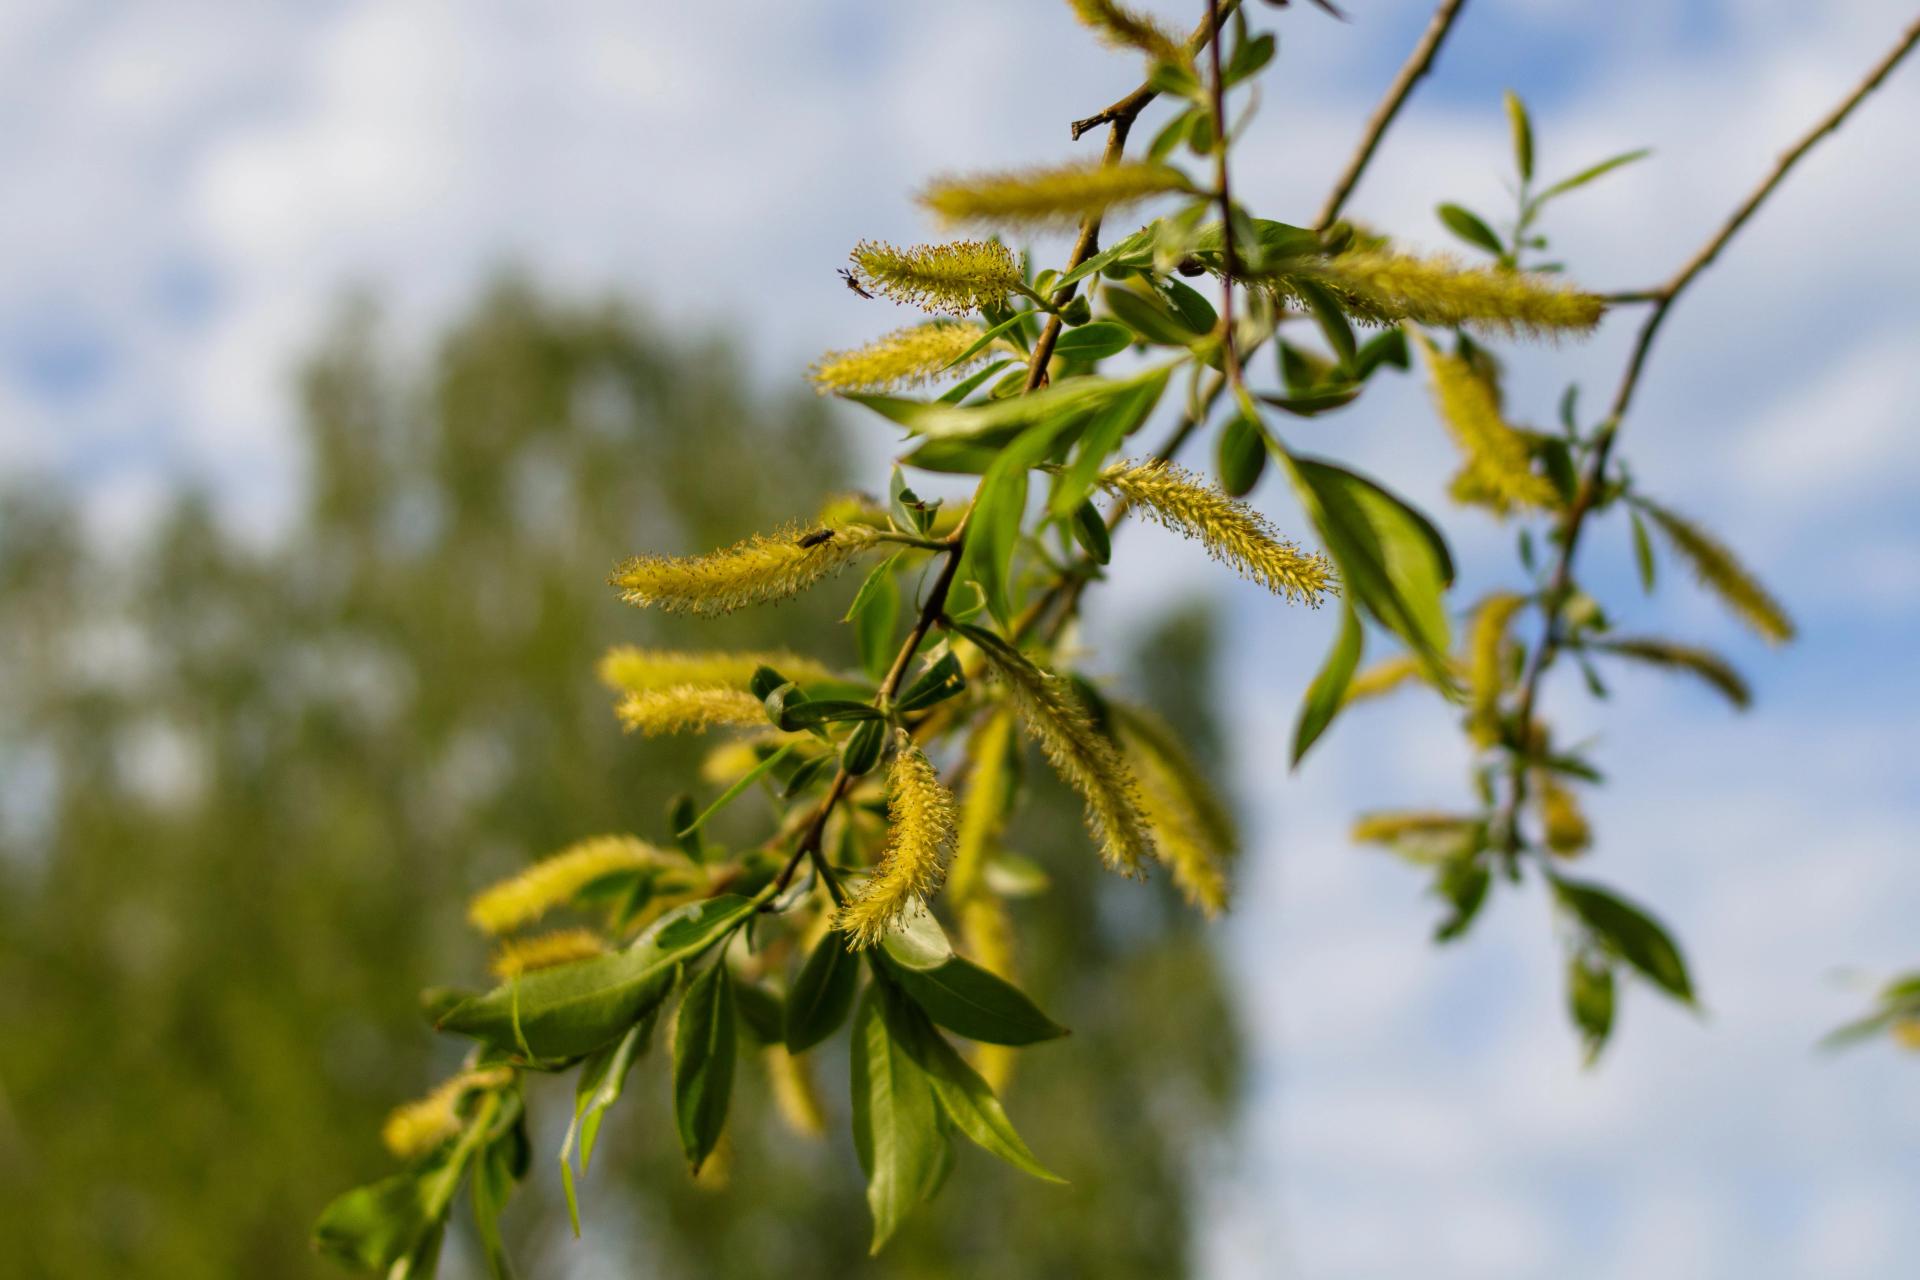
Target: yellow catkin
<point x="1192" y="833"/>
<point x="1042" y="198"/>
<point x="795" y="1095"/>
<point x="689" y="708"/>
<point x="983" y="803"/>
<point x="756" y="570"/>
<point x="1705" y="663"/>
<point x="521" y="899"/>
<point x="1232" y="532"/>
<point x="1386" y="287"/>
<point x="1497" y="466"/>
<point x="1561" y="821"/>
<point x="914" y="860"/>
<point x="949" y="279"/>
<point x="516" y="956"/>
<point x="628" y="669"/>
<point x="1906" y="1032"/>
<point x="1128" y="28"/>
<point x="904" y="358"/>
<point x="1383" y="677"/>
<point x="1486" y="648"/>
<point x="1385" y="828"/>
<point x="1085" y="759"/>
<point x="986" y="936"/>
<point x="416" y="1128"/>
<point x="1720" y="572"/>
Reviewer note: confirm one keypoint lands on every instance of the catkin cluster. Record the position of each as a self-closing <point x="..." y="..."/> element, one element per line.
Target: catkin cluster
<point x="1232" y="532"/>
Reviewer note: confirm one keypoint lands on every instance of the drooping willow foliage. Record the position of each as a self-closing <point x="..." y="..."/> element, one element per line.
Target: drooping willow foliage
<point x="874" y="905"/>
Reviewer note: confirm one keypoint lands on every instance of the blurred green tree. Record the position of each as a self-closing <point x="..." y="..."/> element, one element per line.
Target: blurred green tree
<point x="240" y="785"/>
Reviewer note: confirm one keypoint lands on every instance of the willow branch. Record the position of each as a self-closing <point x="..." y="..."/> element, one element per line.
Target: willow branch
<point x="1593" y="478"/>
<point x="1417" y="64"/>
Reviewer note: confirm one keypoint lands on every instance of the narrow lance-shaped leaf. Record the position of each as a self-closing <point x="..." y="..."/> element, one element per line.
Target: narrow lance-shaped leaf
<point x="1328" y="692"/>
<point x="896" y="1122"/>
<point x="704" y="1043"/>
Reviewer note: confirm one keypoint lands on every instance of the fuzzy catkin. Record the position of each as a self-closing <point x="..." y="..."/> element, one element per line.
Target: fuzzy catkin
<point x="950" y="279"/>
<point x="902" y="359"/>
<point x="1232" y="532"/>
<point x="755" y="570"/>
<point x="1386" y="287"/>
<point x="1191" y="831"/>
<point x="416" y="1128"/>
<point x="516" y="956"/>
<point x="521" y="899"/>
<point x="1720" y="571"/>
<point x="913" y="862"/>
<point x="1497" y="469"/>
<point x="1085" y="758"/>
<point x="1048" y="198"/>
<point x="689" y="708"/>
<point x="629" y="669"/>
<point x="1128" y="28"/>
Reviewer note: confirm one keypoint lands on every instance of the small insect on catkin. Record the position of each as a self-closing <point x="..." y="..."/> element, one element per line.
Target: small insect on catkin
<point x="1085" y="758"/>
<point x="756" y="570"/>
<point x="1386" y="287"/>
<point x="521" y="899"/>
<point x="950" y="279"/>
<point x="1232" y="532"/>
<point x="689" y="708"/>
<point x="914" y="859"/>
<point x="1043" y="198"/>
<point x="904" y="358"/>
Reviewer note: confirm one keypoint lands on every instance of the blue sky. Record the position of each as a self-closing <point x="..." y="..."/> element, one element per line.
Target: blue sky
<point x="192" y="185"/>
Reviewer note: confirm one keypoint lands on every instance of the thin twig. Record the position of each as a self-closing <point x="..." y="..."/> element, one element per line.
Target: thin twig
<point x="1416" y="66"/>
<point x="1593" y="478"/>
<point x="1229" y="353"/>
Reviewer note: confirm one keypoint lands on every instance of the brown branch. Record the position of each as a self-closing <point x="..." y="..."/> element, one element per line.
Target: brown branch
<point x="1593" y="479"/>
<point x="1229" y="354"/>
<point x="1134" y="103"/>
<point x="1416" y="66"/>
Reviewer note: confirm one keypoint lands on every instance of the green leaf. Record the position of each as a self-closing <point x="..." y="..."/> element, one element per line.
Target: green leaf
<point x="960" y="390"/>
<point x="1522" y="135"/>
<point x="728" y="796"/>
<point x="1468" y="226"/>
<point x="1388" y="348"/>
<point x="1590" y="1001"/>
<point x="1243" y="456"/>
<point x="864" y="747"/>
<point x="1630" y="933"/>
<point x="1642" y="552"/>
<point x="602" y="1078"/>
<point x="374" y="1226"/>
<point x="1138" y="245"/>
<point x="492" y="1186"/>
<point x="1392" y="560"/>
<point x="1187" y="302"/>
<point x="1587" y="175"/>
<point x="1094" y="341"/>
<point x="704" y="1040"/>
<point x="999" y="507"/>
<point x="936" y="684"/>
<point x="1329" y="689"/>
<point x="573" y="1009"/>
<point x="985" y="340"/>
<point x="1333" y="322"/>
<point x="971" y="1001"/>
<point x="761" y="1011"/>
<point x="1862" y="1029"/>
<point x="1102" y="436"/>
<point x="963" y="1096"/>
<point x="819" y="711"/>
<point x="1148" y="317"/>
<point x="1315" y="402"/>
<point x="1090" y="531"/>
<point x="1463" y="882"/>
<point x="1248" y="59"/>
<point x="822" y="993"/>
<point x="896" y="1123"/>
<point x="875" y="612"/>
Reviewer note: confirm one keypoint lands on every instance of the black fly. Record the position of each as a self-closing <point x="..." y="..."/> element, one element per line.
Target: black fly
<point x="815" y="538"/>
<point x="854" y="284"/>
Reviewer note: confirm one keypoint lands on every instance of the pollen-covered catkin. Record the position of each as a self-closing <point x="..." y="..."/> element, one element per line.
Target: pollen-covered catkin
<point x="1386" y="287"/>
<point x="756" y="570"/>
<point x="415" y="1128"/>
<point x="1191" y="831"/>
<point x="689" y="708"/>
<point x="914" y="859"/>
<point x="904" y="358"/>
<point x="521" y="899"/>
<point x="1232" y="532"/>
<point x="516" y="956"/>
<point x="629" y="669"/>
<point x="1043" y="198"/>
<point x="1497" y="468"/>
<point x="1085" y="758"/>
<point x="950" y="279"/>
